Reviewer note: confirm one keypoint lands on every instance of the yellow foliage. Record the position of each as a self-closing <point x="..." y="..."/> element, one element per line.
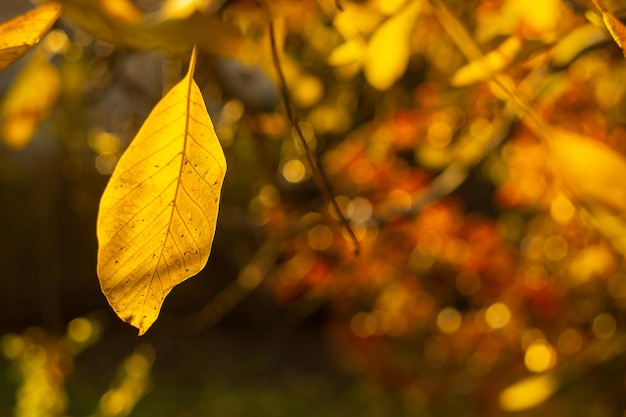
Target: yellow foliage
<point x="18" y="35"/>
<point x="29" y="101"/>
<point x="493" y="62"/>
<point x="530" y="19"/>
<point x="121" y="23"/>
<point x="614" y="25"/>
<point x="589" y="263"/>
<point x="158" y="213"/>
<point x="576" y="41"/>
<point x="389" y="7"/>
<point x="350" y="52"/>
<point x="537" y="18"/>
<point x="356" y="21"/>
<point x="130" y="386"/>
<point x="389" y="48"/>
<point x="121" y="11"/>
<point x="590" y="170"/>
<point x="528" y="392"/>
<point x="181" y="9"/>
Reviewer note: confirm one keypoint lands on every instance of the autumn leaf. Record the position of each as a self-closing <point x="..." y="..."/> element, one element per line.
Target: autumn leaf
<point x="528" y="392"/>
<point x="389" y="48"/>
<point x="181" y="9"/>
<point x="18" y="35"/>
<point x="575" y="42"/>
<point x="613" y="24"/>
<point x="158" y="212"/>
<point x="350" y="52"/>
<point x="493" y="62"/>
<point x="590" y="170"/>
<point x="28" y="101"/>
<point x="122" y="24"/>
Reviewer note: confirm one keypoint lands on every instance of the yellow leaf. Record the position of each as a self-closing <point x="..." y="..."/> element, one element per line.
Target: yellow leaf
<point x="389" y="48"/>
<point x="350" y="52"/>
<point x="356" y="20"/>
<point x="589" y="263"/>
<point x="181" y="9"/>
<point x="575" y="42"/>
<point x="493" y="62"/>
<point x="115" y="21"/>
<point x="28" y="101"/>
<point x="19" y="34"/>
<point x="120" y="23"/>
<point x="158" y="212"/>
<point x="612" y="226"/>
<point x="613" y="24"/>
<point x="590" y="170"/>
<point x="389" y="7"/>
<point x="528" y="392"/>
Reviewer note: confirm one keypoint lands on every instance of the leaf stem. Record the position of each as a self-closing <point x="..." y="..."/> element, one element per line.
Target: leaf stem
<point x="320" y="179"/>
<point x="192" y="61"/>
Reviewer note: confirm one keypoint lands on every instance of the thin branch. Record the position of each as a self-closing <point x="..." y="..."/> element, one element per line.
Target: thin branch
<point x="472" y="53"/>
<point x="249" y="279"/>
<point x="320" y="179"/>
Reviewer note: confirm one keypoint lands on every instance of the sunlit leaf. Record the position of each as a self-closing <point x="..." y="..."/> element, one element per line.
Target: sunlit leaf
<point x="389" y="48"/>
<point x="116" y="21"/>
<point x="356" y="21"/>
<point x="590" y="262"/>
<point x="28" y="101"/>
<point x="575" y="42"/>
<point x="533" y="20"/>
<point x="527" y="393"/>
<point x="180" y="9"/>
<point x="613" y="24"/>
<point x="120" y="23"/>
<point x="611" y="225"/>
<point x="19" y="34"/>
<point x="130" y="385"/>
<point x="493" y="62"/>
<point x="121" y="11"/>
<point x="158" y="213"/>
<point x="350" y="52"/>
<point x="590" y="170"/>
<point x="389" y="7"/>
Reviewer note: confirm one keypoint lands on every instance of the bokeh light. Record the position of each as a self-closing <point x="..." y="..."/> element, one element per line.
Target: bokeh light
<point x="498" y="315"/>
<point x="449" y="320"/>
<point x="539" y="357"/>
<point x="294" y="171"/>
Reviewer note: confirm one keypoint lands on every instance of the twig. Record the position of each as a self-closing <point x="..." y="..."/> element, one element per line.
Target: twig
<point x="321" y="181"/>
<point x="249" y="279"/>
<point x="472" y="53"/>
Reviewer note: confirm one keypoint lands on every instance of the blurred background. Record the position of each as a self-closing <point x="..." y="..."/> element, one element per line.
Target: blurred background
<point x="490" y="280"/>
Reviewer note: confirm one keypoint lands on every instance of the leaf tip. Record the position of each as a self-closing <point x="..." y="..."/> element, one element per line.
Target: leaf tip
<point x="138" y="323"/>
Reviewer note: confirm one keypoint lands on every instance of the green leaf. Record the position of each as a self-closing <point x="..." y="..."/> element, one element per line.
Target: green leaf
<point x="159" y="210"/>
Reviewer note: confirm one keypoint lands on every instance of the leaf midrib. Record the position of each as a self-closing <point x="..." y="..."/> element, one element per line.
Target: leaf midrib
<point x="174" y="207"/>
